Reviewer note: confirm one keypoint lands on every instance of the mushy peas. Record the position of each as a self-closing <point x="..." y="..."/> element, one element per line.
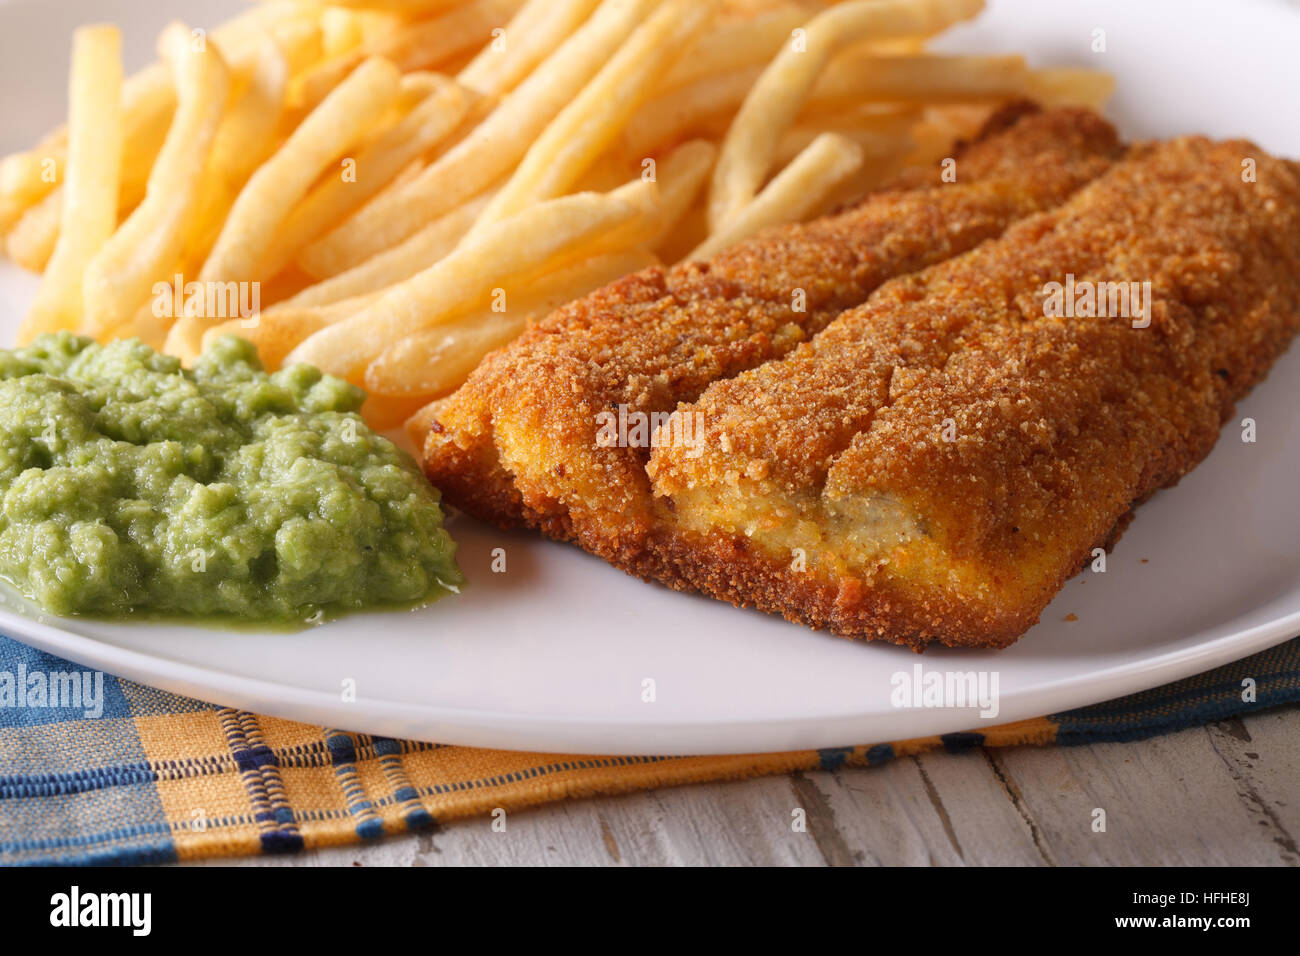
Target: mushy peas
<point x="130" y="484"/>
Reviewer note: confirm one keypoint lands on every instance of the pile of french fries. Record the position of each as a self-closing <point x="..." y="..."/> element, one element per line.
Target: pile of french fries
<point x="402" y="184"/>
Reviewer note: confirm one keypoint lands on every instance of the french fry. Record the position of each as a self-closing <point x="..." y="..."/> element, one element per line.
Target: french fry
<point x="435" y="361"/>
<point x="489" y="152"/>
<point x="148" y="100"/>
<point x="148" y="97"/>
<point x="10" y="212"/>
<point x="779" y="94"/>
<point x="609" y="171"/>
<point x="300" y="43"/>
<point x="416" y="45"/>
<point x="245" y="138"/>
<point x="933" y="136"/>
<point x="32" y="238"/>
<point x="282" y="326"/>
<point x="340" y="31"/>
<point x="282" y="180"/>
<point x="873" y="144"/>
<point x="585" y="127"/>
<point x="274" y="337"/>
<point x="386" y="412"/>
<point x="89" y="213"/>
<point x="278" y="330"/>
<point x="26" y="178"/>
<point x="687" y="109"/>
<point x="394" y="265"/>
<point x="375" y="165"/>
<point x="691" y="230"/>
<point x="30" y="242"/>
<point x="793" y="193"/>
<point x="679" y="176"/>
<point x="924" y="78"/>
<point x="412" y="9"/>
<point x="1077" y="87"/>
<point x="119" y="277"/>
<point x="539" y="27"/>
<point x="519" y="244"/>
<point x="694" y="108"/>
<point x="730" y="47"/>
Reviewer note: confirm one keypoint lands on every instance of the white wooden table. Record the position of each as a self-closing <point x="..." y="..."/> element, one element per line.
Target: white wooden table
<point x="1227" y="793"/>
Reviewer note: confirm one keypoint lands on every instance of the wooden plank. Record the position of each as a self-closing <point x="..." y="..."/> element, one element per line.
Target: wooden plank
<point x="1185" y="799"/>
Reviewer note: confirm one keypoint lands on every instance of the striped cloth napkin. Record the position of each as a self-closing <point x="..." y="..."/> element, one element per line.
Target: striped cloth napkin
<point x="138" y="775"/>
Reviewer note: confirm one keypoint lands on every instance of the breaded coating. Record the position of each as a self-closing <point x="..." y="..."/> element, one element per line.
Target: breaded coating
<point x="516" y="444"/>
<point x="937" y="463"/>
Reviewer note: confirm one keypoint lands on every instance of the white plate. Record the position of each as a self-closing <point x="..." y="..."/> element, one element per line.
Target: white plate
<point x="552" y="655"/>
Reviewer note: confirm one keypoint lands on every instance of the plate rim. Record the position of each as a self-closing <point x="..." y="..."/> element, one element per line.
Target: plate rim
<point x="591" y="735"/>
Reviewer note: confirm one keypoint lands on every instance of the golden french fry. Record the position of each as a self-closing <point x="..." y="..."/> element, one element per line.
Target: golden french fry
<point x="245" y="138"/>
<point x="148" y="96"/>
<point x="417" y="86"/>
<point x="149" y="324"/>
<point x="10" y="212"/>
<point x="301" y="45"/>
<point x="148" y="100"/>
<point x="933" y="135"/>
<point x="26" y="178"/>
<point x="798" y="138"/>
<point x="793" y="193"/>
<point x="679" y="176"/>
<point x="585" y="127"/>
<point x="340" y="31"/>
<point x="282" y="180"/>
<point x="539" y="27"/>
<point x="489" y="152"/>
<point x="415" y="45"/>
<point x="119" y="277"/>
<point x="394" y="265"/>
<point x="32" y="238"/>
<point x="682" y="173"/>
<point x="732" y="46"/>
<point x="385" y="412"/>
<point x="1057" y="87"/>
<point x="434" y="361"/>
<point x="691" y="229"/>
<point x="775" y="100"/>
<point x="519" y="244"/>
<point x="923" y="78"/>
<point x="874" y="173"/>
<point x="609" y="171"/>
<point x="30" y="242"/>
<point x="89" y="213"/>
<point x="693" y="109"/>
<point x="407" y="8"/>
<point x="373" y="167"/>
<point x="274" y="337"/>
<point x="685" y="110"/>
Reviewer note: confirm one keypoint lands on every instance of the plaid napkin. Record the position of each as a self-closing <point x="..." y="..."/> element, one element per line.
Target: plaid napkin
<point x="130" y="774"/>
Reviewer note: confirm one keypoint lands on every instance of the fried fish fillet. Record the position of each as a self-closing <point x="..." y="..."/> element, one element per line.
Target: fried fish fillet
<point x="936" y="463"/>
<point x="514" y="445"/>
